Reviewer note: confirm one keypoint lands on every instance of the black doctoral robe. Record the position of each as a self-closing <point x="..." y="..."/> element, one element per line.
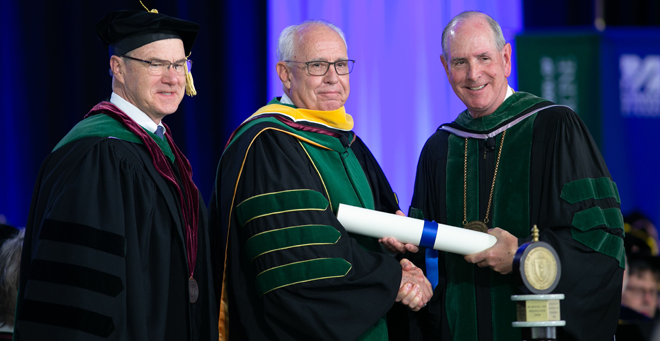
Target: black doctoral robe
<point x="104" y="255"/>
<point x="268" y="185"/>
<point x="550" y="174"/>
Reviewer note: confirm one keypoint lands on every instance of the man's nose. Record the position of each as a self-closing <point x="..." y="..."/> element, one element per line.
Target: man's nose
<point x="331" y="76"/>
<point x="474" y="72"/>
<point x="170" y="76"/>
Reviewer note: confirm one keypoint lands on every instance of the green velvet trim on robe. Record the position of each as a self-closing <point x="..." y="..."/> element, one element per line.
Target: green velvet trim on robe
<point x="512" y="106"/>
<point x="280" y="202"/>
<point x="102" y="125"/>
<point x="460" y="298"/>
<point x="290" y="237"/>
<point x="415" y="213"/>
<point x="511" y="193"/>
<point x="299" y="272"/>
<point x="599" y="240"/>
<point x="345" y="182"/>
<point x="596" y="216"/>
<point x="339" y="170"/>
<point x="603" y="242"/>
<point x="587" y="188"/>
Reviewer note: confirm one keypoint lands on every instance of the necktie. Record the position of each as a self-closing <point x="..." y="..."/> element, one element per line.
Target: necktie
<point x="160" y="132"/>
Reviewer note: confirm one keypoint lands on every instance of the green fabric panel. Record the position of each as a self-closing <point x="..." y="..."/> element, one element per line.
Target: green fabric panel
<point x="358" y="179"/>
<point x="290" y="237"/>
<point x="603" y="242"/>
<point x="514" y="105"/>
<point x="460" y="298"/>
<point x="346" y="183"/>
<point x="511" y="212"/>
<point x="102" y="125"/>
<point x="280" y="202"/>
<point x="377" y="332"/>
<point x="596" y="216"/>
<point x="588" y="188"/>
<point x="337" y="178"/>
<point x="339" y="168"/>
<point x="415" y="213"/>
<point x="299" y="272"/>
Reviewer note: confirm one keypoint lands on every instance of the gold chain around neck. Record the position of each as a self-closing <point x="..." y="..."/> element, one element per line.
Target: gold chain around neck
<point x="492" y="187"/>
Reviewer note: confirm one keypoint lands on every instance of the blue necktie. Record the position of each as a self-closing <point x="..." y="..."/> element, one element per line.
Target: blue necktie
<point x="160" y="132"/>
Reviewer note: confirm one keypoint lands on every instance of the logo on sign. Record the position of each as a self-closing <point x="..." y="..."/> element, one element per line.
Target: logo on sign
<point x="640" y="85"/>
<point x="559" y="80"/>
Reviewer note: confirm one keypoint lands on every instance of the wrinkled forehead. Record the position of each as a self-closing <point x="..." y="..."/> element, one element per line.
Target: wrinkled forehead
<point x="469" y="32"/>
<point x="318" y="41"/>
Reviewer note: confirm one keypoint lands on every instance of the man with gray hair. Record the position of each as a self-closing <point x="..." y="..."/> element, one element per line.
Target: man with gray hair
<point x="288" y="269"/>
<point x="510" y="161"/>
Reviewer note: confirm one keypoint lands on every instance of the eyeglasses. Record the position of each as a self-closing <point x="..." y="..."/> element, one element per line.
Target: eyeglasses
<point x="158" y="67"/>
<point x="318" y="68"/>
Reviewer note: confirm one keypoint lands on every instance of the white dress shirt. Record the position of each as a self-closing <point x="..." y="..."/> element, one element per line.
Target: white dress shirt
<point x="286" y="100"/>
<point x="135" y="114"/>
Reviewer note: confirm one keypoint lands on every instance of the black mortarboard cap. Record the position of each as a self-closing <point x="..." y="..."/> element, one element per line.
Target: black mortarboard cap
<point x="124" y="31"/>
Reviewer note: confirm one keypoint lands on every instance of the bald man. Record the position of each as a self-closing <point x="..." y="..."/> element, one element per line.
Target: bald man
<point x="512" y="160"/>
<point x="291" y="271"/>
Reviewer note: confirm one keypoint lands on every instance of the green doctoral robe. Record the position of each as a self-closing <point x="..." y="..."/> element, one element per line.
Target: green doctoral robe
<point x="105" y="254"/>
<point x="288" y="269"/>
<point x="550" y="174"/>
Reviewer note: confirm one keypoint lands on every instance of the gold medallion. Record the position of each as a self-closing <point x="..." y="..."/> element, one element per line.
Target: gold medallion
<point x="540" y="268"/>
<point x="477" y="225"/>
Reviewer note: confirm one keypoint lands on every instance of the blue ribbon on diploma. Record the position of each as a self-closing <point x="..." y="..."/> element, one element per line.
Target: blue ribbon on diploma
<point x="429" y="233"/>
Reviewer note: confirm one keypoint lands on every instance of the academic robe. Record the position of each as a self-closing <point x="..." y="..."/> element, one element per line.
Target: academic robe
<point x="105" y="249"/>
<point x="550" y="174"/>
<point x="290" y="271"/>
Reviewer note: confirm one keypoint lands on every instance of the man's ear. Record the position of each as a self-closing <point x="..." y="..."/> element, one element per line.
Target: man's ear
<point x="284" y="73"/>
<point x="445" y="65"/>
<point x="117" y="68"/>
<point x="506" y="57"/>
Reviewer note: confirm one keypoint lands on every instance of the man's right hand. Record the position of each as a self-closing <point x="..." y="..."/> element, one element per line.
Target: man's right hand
<point x="415" y="290"/>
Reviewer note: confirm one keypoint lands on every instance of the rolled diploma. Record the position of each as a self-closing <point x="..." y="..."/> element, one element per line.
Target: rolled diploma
<point x="409" y="230"/>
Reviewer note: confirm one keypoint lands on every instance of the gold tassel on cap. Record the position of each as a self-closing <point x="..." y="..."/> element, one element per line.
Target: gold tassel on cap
<point x="190" y="85"/>
<point x="150" y="11"/>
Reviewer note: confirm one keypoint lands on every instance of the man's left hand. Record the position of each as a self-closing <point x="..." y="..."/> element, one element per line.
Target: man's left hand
<point x="394" y="246"/>
<point x="499" y="257"/>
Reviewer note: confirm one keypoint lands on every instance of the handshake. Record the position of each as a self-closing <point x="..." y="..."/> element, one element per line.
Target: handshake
<point x="415" y="290"/>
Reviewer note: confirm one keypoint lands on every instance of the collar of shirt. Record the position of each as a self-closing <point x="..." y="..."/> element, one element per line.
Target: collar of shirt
<point x="135" y="114"/>
<point x="509" y="92"/>
<point x="286" y="100"/>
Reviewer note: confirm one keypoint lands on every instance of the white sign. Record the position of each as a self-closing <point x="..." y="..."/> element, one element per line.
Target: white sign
<point x="560" y="84"/>
<point x="640" y="85"/>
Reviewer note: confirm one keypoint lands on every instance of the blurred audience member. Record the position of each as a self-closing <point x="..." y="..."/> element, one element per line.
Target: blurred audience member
<point x="639" y="299"/>
<point x="10" y="260"/>
<point x="641" y="293"/>
<point x="638" y="225"/>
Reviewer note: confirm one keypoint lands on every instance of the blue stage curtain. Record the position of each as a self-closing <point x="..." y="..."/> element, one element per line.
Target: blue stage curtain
<point x="55" y="69"/>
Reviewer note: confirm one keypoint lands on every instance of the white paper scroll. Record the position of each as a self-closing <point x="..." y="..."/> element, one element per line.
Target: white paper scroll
<point x="408" y="230"/>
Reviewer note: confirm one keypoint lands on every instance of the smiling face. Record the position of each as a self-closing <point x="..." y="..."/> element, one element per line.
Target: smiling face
<point x="328" y="92"/>
<point x="476" y="70"/>
<point x="156" y="96"/>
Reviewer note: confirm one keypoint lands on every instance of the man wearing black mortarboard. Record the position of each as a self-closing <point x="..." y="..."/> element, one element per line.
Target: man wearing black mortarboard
<point x="116" y="246"/>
